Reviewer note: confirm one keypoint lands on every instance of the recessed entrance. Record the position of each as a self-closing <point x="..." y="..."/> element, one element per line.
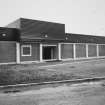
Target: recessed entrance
<point x="49" y="52"/>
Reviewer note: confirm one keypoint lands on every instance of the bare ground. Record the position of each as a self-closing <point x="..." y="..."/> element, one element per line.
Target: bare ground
<point x="81" y="94"/>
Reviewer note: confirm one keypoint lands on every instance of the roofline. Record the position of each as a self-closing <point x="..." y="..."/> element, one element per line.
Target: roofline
<point x="83" y="34"/>
<point x="7" y="28"/>
<point x="41" y="20"/>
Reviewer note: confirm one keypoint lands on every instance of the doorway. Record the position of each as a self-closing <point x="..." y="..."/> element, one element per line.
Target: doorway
<point x="49" y="52"/>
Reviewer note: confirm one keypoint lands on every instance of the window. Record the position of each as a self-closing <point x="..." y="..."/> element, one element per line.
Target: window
<point x="26" y="50"/>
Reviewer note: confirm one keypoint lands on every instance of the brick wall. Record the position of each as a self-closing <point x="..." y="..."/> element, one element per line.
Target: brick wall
<point x="101" y="50"/>
<point x="66" y="51"/>
<point x="92" y="50"/>
<point x="35" y="52"/>
<point x="7" y="51"/>
<point x="80" y="50"/>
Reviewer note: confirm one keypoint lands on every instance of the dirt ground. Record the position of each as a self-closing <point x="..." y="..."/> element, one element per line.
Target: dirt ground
<point x="65" y="94"/>
<point x="80" y="94"/>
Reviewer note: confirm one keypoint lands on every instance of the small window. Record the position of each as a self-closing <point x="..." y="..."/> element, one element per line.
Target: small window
<point x="26" y="50"/>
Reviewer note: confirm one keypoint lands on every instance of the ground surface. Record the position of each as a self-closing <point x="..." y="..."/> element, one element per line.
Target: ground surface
<point x="83" y="94"/>
<point x="93" y="68"/>
<point x="59" y="94"/>
<point x="26" y="73"/>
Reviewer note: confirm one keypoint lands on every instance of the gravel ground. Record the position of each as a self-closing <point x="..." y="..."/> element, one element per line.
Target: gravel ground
<point x="80" y="94"/>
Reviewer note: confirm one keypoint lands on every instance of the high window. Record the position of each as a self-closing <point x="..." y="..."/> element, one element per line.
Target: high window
<point x="26" y="50"/>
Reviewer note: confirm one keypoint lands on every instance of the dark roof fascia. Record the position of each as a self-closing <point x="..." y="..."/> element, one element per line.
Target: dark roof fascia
<point x="41" y="21"/>
<point x="85" y="35"/>
<point x="11" y="34"/>
<point x="8" y="28"/>
<point x="80" y="38"/>
<point x="41" y="40"/>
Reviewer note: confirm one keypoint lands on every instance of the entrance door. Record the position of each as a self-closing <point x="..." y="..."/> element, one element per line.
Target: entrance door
<point x="49" y="52"/>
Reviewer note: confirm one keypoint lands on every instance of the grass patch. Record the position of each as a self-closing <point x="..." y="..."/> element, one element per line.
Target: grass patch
<point x="30" y="73"/>
<point x="12" y="77"/>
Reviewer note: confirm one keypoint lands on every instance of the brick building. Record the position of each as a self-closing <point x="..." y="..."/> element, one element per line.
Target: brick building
<point x="27" y="40"/>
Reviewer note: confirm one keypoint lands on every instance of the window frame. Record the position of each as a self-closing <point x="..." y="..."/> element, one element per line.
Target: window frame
<point x="22" y="47"/>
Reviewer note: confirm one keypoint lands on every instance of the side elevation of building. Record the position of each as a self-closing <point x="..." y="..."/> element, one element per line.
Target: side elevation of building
<point x="27" y="40"/>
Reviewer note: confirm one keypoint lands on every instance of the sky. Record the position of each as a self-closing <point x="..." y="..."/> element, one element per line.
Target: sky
<point x="79" y="16"/>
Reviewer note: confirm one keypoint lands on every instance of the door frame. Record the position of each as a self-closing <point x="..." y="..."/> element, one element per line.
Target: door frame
<point x="48" y="45"/>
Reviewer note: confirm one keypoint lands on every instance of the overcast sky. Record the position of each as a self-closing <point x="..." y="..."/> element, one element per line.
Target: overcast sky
<point x="79" y="16"/>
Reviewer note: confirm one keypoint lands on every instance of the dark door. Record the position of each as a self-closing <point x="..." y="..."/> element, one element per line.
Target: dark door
<point x="46" y="52"/>
<point x="49" y="52"/>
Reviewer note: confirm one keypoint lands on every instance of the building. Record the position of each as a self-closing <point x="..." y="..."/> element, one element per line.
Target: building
<point x="27" y="40"/>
